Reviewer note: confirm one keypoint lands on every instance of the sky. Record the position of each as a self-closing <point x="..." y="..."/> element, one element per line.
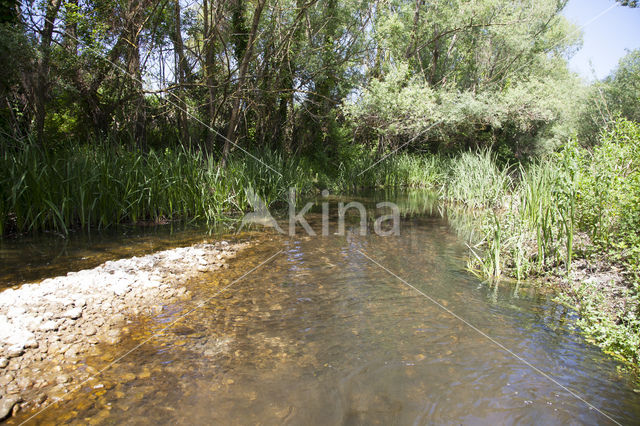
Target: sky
<point x="605" y="38"/>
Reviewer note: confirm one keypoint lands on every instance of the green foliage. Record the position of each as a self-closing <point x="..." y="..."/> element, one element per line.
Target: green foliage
<point x="396" y="171"/>
<point x="610" y="192"/>
<point x="616" y="96"/>
<point x="620" y="338"/>
<point x="103" y="185"/>
<point x="531" y="224"/>
<point x="475" y="180"/>
<point x="622" y="88"/>
<point x="526" y="118"/>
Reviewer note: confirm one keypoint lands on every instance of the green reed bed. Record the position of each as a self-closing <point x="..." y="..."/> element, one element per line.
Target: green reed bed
<point x="401" y="170"/>
<point x="100" y="186"/>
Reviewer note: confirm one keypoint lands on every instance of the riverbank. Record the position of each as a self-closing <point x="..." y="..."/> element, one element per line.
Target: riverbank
<point x="603" y="293"/>
<point x="46" y="327"/>
<point x="571" y="218"/>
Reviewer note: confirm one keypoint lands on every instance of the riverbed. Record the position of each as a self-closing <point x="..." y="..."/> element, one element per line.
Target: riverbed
<point x="350" y="329"/>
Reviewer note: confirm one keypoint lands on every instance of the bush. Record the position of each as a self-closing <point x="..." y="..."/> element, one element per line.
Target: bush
<point x="610" y="192"/>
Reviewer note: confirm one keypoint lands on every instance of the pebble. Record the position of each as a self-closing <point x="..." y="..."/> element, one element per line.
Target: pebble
<point x="6" y="379"/>
<point x="63" y="378"/>
<point x="73" y="313"/>
<point x="45" y="326"/>
<point x="6" y="406"/>
<point x="69" y="338"/>
<point x="24" y="382"/>
<point x="112" y="337"/>
<point x="31" y="344"/>
<point x="72" y="352"/>
<point x="117" y="319"/>
<point x="128" y="377"/>
<point x="49" y="326"/>
<point x="89" y="330"/>
<point x="14" y="351"/>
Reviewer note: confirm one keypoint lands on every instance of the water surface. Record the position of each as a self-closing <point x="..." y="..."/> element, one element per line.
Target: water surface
<point x="323" y="335"/>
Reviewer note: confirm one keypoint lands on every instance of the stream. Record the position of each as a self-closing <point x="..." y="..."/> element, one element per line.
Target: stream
<point x="337" y="329"/>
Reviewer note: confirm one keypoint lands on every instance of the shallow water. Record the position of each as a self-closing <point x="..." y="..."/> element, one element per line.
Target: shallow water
<point x="322" y="335"/>
<point x="35" y="257"/>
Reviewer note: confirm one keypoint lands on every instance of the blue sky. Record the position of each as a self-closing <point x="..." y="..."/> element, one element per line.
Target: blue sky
<point x="605" y="38"/>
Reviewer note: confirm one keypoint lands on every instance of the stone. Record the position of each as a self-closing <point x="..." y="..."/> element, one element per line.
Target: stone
<point x="72" y="352"/>
<point x="112" y="337"/>
<point x="14" y="351"/>
<point x="14" y="332"/>
<point x="57" y="393"/>
<point x="16" y="311"/>
<point x="4" y="362"/>
<point x="73" y="313"/>
<point x="31" y="344"/>
<point x="24" y="382"/>
<point x="6" y="379"/>
<point x="89" y="330"/>
<point x="6" y="406"/>
<point x="49" y="326"/>
<point x="63" y="378"/>
<point x="128" y="377"/>
<point x="57" y="348"/>
<point x="117" y="319"/>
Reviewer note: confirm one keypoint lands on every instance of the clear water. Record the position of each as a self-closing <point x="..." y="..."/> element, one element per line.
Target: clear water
<point x="35" y="257"/>
<point x="322" y="335"/>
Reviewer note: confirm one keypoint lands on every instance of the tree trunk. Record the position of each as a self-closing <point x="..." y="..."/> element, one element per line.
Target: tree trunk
<point x="42" y="80"/>
<point x="209" y="67"/>
<point x="242" y="71"/>
<point x="182" y="70"/>
<point x="134" y="25"/>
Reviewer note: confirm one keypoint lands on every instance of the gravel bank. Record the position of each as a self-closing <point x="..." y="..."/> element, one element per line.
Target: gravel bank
<point x="45" y="326"/>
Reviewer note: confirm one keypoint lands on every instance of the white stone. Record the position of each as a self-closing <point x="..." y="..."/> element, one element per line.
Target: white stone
<point x="73" y="313"/>
<point x="13" y="334"/>
<point x="49" y="326"/>
<point x="16" y="311"/>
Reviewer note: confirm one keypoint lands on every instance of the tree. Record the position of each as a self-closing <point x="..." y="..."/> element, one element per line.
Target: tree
<point x="469" y="74"/>
<point x="623" y="87"/>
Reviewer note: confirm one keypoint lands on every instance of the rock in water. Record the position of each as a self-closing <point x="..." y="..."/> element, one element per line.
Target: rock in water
<point x="6" y="406"/>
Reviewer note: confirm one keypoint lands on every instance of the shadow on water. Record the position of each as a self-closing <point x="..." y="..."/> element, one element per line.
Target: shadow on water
<point x="322" y="335"/>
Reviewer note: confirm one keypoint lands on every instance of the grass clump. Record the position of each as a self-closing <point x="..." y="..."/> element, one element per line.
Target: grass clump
<point x="475" y="180"/>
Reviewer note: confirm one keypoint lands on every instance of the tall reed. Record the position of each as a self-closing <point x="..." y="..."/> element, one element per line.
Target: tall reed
<point x="475" y="180"/>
